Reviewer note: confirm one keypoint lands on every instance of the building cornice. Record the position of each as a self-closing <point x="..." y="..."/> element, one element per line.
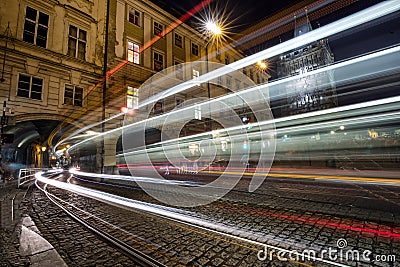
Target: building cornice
<point x="49" y="57"/>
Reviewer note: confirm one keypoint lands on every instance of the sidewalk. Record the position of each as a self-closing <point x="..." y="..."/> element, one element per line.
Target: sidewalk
<point x="21" y="243"/>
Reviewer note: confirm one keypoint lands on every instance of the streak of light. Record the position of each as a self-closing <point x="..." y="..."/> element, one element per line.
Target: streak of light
<point x="178" y="22"/>
<point x="339" y="178"/>
<point x="133" y="179"/>
<point x="173" y="214"/>
<point x="123" y="231"/>
<point x="172" y="223"/>
<point x="354" y="20"/>
<point x="272" y="85"/>
<point x="346" y="23"/>
<point x="281" y="21"/>
<point x="298" y="128"/>
<point x="136" y="238"/>
<point x="109" y="73"/>
<point x="318" y="221"/>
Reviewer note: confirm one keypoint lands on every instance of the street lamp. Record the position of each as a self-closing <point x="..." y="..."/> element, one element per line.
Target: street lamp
<point x="213" y="28"/>
<point x="262" y="65"/>
<point x="213" y="31"/>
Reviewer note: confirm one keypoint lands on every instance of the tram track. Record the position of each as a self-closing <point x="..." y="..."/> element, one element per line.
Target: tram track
<point x="89" y="222"/>
<point x="174" y="236"/>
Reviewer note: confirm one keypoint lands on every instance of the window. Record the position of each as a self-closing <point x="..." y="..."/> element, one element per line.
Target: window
<point x="35" y="27"/>
<point x="158" y="107"/>
<point x="133" y="53"/>
<point x="30" y="87"/>
<point x="195" y="49"/>
<point x="134" y="17"/>
<point x="73" y="95"/>
<point x="178" y="70"/>
<point x="178" y="40"/>
<point x="158" y="61"/>
<point x="77" y="43"/>
<point x="157" y="29"/>
<point x="132" y="98"/>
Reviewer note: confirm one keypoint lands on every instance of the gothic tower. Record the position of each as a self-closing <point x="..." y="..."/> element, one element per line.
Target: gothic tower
<point x="308" y="92"/>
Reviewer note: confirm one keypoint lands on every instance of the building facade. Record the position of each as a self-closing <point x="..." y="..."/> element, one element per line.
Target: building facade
<point x="52" y="54"/>
<point x="148" y="39"/>
<point x="65" y="68"/>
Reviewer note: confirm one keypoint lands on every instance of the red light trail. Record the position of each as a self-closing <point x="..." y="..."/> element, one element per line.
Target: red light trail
<point x="317" y="221"/>
<point x="178" y="22"/>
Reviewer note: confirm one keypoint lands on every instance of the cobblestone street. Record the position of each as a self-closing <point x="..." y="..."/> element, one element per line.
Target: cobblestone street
<point x="297" y="219"/>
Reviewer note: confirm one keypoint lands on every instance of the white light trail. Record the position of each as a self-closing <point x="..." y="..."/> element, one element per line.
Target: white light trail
<point x="346" y="23"/>
<point x="174" y="214"/>
<point x="387" y="52"/>
<point x="354" y="20"/>
<point x="132" y="178"/>
<point x="365" y="120"/>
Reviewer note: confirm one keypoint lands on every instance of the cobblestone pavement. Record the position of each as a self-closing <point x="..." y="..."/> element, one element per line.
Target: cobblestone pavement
<point x="171" y="243"/>
<point x="11" y="202"/>
<point x="76" y="245"/>
<point x="295" y="216"/>
<point x="310" y="216"/>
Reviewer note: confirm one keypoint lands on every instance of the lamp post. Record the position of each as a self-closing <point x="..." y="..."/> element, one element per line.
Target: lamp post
<point x="104" y="91"/>
<point x="213" y="31"/>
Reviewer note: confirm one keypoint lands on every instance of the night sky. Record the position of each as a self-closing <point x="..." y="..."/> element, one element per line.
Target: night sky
<point x="245" y="13"/>
<point x="363" y="39"/>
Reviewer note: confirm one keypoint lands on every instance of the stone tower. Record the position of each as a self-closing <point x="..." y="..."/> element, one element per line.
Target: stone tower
<point x="309" y="92"/>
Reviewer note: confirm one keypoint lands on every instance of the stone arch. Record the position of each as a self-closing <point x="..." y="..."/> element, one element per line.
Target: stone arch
<point x="44" y="116"/>
<point x="29" y="146"/>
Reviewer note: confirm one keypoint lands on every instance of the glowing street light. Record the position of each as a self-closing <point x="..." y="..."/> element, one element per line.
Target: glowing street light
<point x="214" y="32"/>
<point x="262" y="65"/>
<point x="213" y="28"/>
